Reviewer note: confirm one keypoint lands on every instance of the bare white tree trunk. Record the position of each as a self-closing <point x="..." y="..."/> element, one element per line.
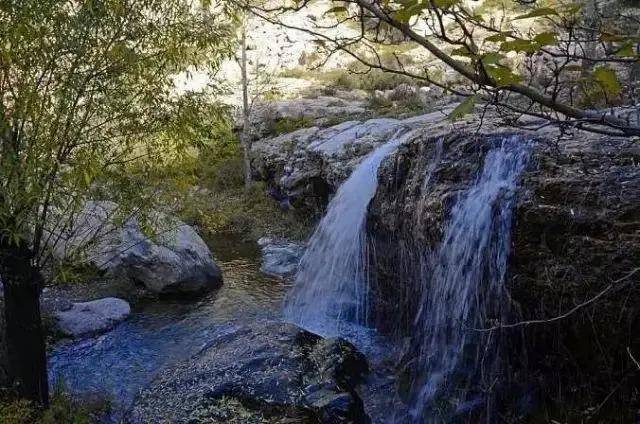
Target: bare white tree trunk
<point x="245" y="136"/>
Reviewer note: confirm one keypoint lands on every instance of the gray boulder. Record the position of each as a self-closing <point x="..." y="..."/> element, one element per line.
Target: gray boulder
<point x="306" y="166"/>
<point x="269" y="370"/>
<point x="91" y="318"/>
<point x="171" y="258"/>
<point x="280" y="258"/>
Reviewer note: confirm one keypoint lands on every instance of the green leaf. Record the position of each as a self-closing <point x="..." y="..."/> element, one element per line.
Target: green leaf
<point x="502" y="75"/>
<point x="336" y="10"/>
<point x="525" y="46"/>
<point x="464" y="108"/>
<point x="444" y="4"/>
<point x="462" y="51"/>
<point x="608" y="80"/>
<point x="573" y="68"/>
<point x="536" y="13"/>
<point x="496" y="38"/>
<point x="406" y="13"/>
<point x="545" y="39"/>
<point x="627" y="50"/>
<point x="493" y="58"/>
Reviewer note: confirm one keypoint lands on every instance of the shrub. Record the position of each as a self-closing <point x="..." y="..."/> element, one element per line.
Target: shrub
<point x="287" y="125"/>
<point x="62" y="409"/>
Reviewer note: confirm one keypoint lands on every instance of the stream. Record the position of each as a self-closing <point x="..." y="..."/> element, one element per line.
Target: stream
<point x="118" y="364"/>
<point x="331" y="296"/>
<point x="160" y="333"/>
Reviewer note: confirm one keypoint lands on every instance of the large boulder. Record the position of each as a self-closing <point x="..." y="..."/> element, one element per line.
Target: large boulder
<point x="268" y="372"/>
<point x="91" y="318"/>
<point x="163" y="254"/>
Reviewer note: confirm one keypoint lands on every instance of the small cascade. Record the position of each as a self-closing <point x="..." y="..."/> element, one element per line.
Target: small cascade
<point x="464" y="287"/>
<point x="331" y="288"/>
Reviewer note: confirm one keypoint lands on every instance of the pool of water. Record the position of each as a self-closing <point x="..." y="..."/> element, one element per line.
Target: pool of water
<point x="160" y="333"/>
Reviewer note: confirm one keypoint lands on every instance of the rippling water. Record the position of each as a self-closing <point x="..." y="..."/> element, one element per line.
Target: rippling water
<point x="158" y="334"/>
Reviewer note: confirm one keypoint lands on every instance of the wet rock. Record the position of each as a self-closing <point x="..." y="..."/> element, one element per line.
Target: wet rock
<point x="173" y="259"/>
<point x="280" y="258"/>
<point x="271" y="371"/>
<point x="307" y="166"/>
<point x="91" y="318"/>
<point x="575" y="233"/>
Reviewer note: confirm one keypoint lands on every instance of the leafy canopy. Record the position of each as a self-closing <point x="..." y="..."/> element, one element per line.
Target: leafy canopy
<point x="88" y="89"/>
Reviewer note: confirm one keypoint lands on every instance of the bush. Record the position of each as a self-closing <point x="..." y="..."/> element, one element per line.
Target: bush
<point x="248" y="213"/>
<point x="375" y="79"/>
<point x="18" y="411"/>
<point x="287" y="125"/>
<point x="62" y="409"/>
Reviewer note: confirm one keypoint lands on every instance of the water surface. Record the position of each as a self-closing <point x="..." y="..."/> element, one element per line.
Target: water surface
<point x="161" y="333"/>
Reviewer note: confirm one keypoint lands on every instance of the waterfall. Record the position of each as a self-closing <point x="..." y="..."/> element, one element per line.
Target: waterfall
<point x="464" y="288"/>
<point x="331" y="287"/>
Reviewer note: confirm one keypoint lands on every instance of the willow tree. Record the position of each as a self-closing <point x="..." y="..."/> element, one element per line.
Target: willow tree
<point x="563" y="62"/>
<point x="86" y="89"/>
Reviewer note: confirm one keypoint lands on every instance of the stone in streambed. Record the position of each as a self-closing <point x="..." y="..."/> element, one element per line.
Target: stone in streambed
<point x="91" y="318"/>
<point x="174" y="260"/>
<point x="280" y="258"/>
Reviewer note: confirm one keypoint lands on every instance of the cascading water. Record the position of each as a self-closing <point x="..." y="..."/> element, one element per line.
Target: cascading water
<point x="331" y="287"/>
<point x="464" y="288"/>
<point x="462" y="280"/>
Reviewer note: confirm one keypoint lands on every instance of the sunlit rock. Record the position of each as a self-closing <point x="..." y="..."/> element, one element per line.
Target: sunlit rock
<point x="91" y="318"/>
<point x="170" y="257"/>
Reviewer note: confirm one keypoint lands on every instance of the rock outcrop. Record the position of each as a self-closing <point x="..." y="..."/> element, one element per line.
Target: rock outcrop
<point x="573" y="269"/>
<point x="91" y="318"/>
<point x="268" y="372"/>
<point x="572" y="279"/>
<point x="317" y="111"/>
<point x="306" y="166"/>
<point x="172" y="259"/>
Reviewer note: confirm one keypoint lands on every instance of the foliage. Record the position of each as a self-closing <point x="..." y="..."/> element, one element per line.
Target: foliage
<point x="287" y="125"/>
<point x="352" y="78"/>
<point x="18" y="411"/>
<point x="62" y="410"/>
<point x="88" y="93"/>
<point x="69" y="271"/>
<point x="248" y="213"/>
<point x="520" y="57"/>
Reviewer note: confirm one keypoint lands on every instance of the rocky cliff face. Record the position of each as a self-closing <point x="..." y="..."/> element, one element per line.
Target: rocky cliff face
<point x="573" y="276"/>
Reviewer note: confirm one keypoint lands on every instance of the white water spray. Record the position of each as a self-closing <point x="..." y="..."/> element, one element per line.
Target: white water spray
<point x="332" y="284"/>
<point x="466" y="285"/>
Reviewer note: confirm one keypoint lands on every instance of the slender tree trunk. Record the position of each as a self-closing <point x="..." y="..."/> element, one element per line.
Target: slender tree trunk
<point x="245" y="138"/>
<point x="24" y="332"/>
<point x="591" y="17"/>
